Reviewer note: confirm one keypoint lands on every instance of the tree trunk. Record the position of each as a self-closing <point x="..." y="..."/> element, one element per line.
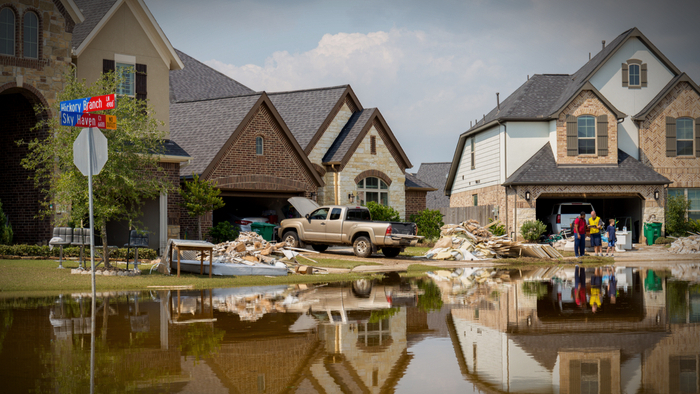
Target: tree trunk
<point x="105" y="247"/>
<point x="199" y="227"/>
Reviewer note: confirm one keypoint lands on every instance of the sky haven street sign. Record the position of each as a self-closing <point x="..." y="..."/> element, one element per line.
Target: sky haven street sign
<point x="88" y="120"/>
<point x="89" y="104"/>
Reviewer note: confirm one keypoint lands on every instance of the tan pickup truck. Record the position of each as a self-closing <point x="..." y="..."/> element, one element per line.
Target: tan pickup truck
<point x="341" y="225"/>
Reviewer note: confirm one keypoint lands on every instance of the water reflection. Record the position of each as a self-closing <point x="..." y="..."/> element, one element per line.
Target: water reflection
<point x="483" y="330"/>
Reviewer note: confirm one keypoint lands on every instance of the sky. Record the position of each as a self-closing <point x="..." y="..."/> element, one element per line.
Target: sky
<point x="430" y="67"/>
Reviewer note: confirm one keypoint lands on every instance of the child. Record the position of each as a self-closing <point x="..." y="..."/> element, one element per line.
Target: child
<point x="611" y="238"/>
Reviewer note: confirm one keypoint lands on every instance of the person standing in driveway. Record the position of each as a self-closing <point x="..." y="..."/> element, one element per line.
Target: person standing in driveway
<point x="580" y="235"/>
<point x="594" y="227"/>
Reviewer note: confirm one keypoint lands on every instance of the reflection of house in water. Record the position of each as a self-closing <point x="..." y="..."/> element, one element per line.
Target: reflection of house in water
<point x="517" y="343"/>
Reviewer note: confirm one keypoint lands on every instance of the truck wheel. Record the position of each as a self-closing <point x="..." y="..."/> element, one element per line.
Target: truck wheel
<point x="391" y="252"/>
<point x="291" y="239"/>
<point x="320" y="248"/>
<point x="362" y="288"/>
<point x="362" y="247"/>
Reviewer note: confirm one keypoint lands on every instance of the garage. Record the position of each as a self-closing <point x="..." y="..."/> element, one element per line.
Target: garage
<point x="625" y="208"/>
<point x="274" y="206"/>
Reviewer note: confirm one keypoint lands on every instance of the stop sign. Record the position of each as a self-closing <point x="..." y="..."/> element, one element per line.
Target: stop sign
<point x="98" y="150"/>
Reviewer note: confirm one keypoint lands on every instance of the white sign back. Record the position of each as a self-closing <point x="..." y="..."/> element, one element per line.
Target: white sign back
<point x="99" y="151"/>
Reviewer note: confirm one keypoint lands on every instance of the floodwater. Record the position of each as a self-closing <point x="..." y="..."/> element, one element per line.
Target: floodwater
<point x="467" y="331"/>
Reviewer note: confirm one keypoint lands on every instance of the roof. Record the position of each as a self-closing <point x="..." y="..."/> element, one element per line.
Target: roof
<point x="542" y="169"/>
<point x="171" y="148"/>
<point x="343" y="142"/>
<point x="202" y="128"/>
<point x="683" y="77"/>
<point x="93" y="11"/>
<point x="73" y="11"/>
<point x="435" y="174"/>
<point x="305" y="111"/>
<point x="197" y="81"/>
<point x="414" y="183"/>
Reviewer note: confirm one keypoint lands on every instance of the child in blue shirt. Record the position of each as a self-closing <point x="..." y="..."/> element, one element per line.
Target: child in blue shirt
<point x="611" y="238"/>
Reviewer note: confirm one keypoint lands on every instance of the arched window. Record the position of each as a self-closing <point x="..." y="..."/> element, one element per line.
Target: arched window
<point x="7" y="32"/>
<point x="258" y="145"/>
<point x="586" y="135"/>
<point x="374" y="189"/>
<point x="684" y="137"/>
<point x="31" y="35"/>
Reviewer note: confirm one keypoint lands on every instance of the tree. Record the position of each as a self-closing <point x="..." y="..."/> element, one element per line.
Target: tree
<point x="199" y="197"/>
<point x="130" y="177"/>
<point x="6" y="233"/>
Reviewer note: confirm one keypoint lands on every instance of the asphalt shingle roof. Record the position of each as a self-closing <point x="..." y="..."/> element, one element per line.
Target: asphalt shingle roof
<point x="304" y="111"/>
<point x="435" y="174"/>
<point x="413" y="181"/>
<point x="171" y="148"/>
<point x="202" y="128"/>
<point x="542" y="169"/>
<point x="197" y="81"/>
<point x="93" y="11"/>
<point x="339" y="148"/>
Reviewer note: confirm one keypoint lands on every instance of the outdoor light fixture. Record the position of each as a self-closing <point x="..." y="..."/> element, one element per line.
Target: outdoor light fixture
<point x="656" y="194"/>
<point x="313" y="196"/>
<point x="351" y="197"/>
<point x="527" y="196"/>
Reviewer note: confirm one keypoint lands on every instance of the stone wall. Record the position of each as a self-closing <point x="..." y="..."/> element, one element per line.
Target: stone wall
<point x="330" y="134"/>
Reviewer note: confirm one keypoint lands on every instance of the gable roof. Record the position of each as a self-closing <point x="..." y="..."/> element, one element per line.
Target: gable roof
<point x="98" y="12"/>
<point x="542" y="169"/>
<point x="197" y="81"/>
<point x="73" y="11"/>
<point x="435" y="174"/>
<point x="308" y="112"/>
<point x="415" y="183"/>
<point x="206" y="128"/>
<point x="683" y="77"/>
<point x="354" y="132"/>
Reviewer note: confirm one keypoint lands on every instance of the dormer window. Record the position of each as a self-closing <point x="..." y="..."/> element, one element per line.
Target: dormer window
<point x="586" y="135"/>
<point x="634" y="74"/>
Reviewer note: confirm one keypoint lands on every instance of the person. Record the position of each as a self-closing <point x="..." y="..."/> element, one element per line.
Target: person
<point x="611" y="238"/>
<point x="612" y="286"/>
<point x="580" y="286"/>
<point x="580" y="235"/>
<point x="596" y="287"/>
<point x="594" y="227"/>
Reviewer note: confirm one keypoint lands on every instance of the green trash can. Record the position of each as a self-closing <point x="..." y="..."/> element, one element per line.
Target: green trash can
<point x="652" y="231"/>
<point x="264" y="229"/>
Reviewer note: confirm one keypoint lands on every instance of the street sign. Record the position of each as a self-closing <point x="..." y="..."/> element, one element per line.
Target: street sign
<point x="89" y="104"/>
<point x="89" y="120"/>
<point x="82" y="151"/>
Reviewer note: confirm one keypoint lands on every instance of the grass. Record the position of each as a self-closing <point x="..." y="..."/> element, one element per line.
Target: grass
<point x="19" y="276"/>
<point x="415" y="251"/>
<point x="335" y="263"/>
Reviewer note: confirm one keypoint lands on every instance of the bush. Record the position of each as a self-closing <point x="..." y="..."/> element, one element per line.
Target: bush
<point x="676" y="223"/>
<point x="429" y="222"/>
<point x="532" y="230"/>
<point x="383" y="212"/>
<point x="663" y="241"/>
<point x="71" y="251"/>
<point x="222" y="232"/>
<point x="6" y="233"/>
<point x="497" y="230"/>
<point x="694" y="225"/>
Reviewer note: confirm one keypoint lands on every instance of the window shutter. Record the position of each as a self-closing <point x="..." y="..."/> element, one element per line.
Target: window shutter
<point x="670" y="137"/>
<point x="697" y="137"/>
<point x="140" y="85"/>
<point x="107" y="66"/>
<point x="602" y="135"/>
<point x="643" y="71"/>
<point x="571" y="135"/>
<point x="625" y="75"/>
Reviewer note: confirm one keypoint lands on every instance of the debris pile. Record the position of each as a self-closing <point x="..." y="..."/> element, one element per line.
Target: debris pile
<point x="686" y="245"/>
<point x="466" y="286"/>
<point x="470" y="241"/>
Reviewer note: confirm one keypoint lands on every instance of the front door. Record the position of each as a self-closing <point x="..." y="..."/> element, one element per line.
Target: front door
<point x="315" y="227"/>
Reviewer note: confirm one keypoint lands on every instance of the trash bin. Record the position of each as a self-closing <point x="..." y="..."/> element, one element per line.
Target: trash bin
<point x="264" y="229"/>
<point x="652" y="231"/>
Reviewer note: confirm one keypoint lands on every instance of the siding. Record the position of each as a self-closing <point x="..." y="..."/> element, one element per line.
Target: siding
<point x="487" y="163"/>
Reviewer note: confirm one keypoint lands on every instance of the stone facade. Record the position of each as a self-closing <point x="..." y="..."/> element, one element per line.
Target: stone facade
<point x="681" y="101"/>
<point x="586" y="103"/>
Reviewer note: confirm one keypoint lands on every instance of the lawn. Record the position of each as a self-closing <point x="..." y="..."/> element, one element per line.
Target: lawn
<point x="335" y="263"/>
<point x="415" y="251"/>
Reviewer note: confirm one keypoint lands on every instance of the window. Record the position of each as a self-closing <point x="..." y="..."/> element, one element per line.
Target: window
<point x="473" y="153"/>
<point x="634" y="75"/>
<point x="373" y="145"/>
<point x="7" y="32"/>
<point x="335" y="214"/>
<point x="692" y="195"/>
<point x="374" y="189"/>
<point x="358" y="215"/>
<point x="31" y="35"/>
<point x="319" y="214"/>
<point x="475" y="197"/>
<point x="589" y="378"/>
<point x="258" y="145"/>
<point x="684" y="137"/>
<point x="124" y="67"/>
<point x="586" y="135"/>
<point x="688" y="374"/>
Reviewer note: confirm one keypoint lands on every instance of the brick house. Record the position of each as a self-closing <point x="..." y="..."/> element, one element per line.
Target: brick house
<point x="606" y="134"/>
<point x="95" y="36"/>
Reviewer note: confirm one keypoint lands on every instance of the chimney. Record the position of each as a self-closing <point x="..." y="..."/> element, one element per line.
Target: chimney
<point x="528" y="77"/>
<point x="470" y="124"/>
<point x="498" y="101"/>
<point x="603" y="44"/>
<point x="589" y="56"/>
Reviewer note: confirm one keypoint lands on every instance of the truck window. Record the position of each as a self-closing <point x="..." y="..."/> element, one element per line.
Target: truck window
<point x="358" y="214"/>
<point x="319" y="214"/>
<point x="335" y="213"/>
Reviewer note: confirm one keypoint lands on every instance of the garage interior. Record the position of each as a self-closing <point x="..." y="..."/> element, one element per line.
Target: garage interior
<point x="241" y="205"/>
<point x="627" y="209"/>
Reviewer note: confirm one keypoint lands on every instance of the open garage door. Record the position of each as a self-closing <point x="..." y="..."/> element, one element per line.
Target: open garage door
<point x="627" y="209"/>
<point x="273" y="206"/>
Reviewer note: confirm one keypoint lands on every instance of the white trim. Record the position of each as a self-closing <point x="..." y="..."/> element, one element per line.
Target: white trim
<point x="125" y="59"/>
<point x="73" y="11"/>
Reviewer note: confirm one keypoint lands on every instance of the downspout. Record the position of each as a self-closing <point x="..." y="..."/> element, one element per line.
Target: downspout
<point x="335" y="184"/>
<point x="505" y="163"/>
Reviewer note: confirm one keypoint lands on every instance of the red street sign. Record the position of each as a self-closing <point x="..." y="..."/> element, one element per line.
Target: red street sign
<point x="89" y="104"/>
<point x="88" y="120"/>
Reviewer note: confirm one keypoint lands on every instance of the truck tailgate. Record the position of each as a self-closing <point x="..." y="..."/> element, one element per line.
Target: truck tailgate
<point x="401" y="228"/>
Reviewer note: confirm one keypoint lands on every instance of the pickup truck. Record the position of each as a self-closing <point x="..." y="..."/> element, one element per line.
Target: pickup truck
<point x="342" y="225"/>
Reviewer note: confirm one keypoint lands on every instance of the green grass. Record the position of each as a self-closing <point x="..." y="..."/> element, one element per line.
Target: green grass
<point x="335" y="263"/>
<point x="41" y="276"/>
<point x="415" y="251"/>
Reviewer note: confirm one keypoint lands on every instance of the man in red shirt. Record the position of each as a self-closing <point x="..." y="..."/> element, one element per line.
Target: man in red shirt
<point x="580" y="227"/>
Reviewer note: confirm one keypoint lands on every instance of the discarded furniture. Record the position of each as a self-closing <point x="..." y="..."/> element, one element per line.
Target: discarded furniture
<point x="61" y="236"/>
<point x="81" y="237"/>
<point x="136" y="241"/>
<point x="181" y="245"/>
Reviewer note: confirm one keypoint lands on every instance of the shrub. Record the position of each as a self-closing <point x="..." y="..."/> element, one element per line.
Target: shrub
<point x="676" y="223"/>
<point x="694" y="225"/>
<point x="532" y="230"/>
<point x="71" y="251"/>
<point x="429" y="222"/>
<point x="222" y="232"/>
<point x="663" y="241"/>
<point x="498" y="229"/>
<point x="383" y="212"/>
<point x="5" y="228"/>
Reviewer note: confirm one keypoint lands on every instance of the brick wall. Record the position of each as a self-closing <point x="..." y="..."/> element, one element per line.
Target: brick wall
<point x="415" y="202"/>
<point x="586" y="103"/>
<point x="681" y="101"/>
<point x="490" y="195"/>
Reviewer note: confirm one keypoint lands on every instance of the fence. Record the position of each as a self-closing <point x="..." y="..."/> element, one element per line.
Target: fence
<point x="455" y="215"/>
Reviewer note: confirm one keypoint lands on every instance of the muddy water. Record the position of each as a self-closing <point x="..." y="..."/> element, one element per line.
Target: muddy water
<point x="464" y="331"/>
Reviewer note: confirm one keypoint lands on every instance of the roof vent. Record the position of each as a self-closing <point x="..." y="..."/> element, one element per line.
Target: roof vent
<point x="589" y="56"/>
<point x="498" y="101"/>
<point x="603" y="44"/>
